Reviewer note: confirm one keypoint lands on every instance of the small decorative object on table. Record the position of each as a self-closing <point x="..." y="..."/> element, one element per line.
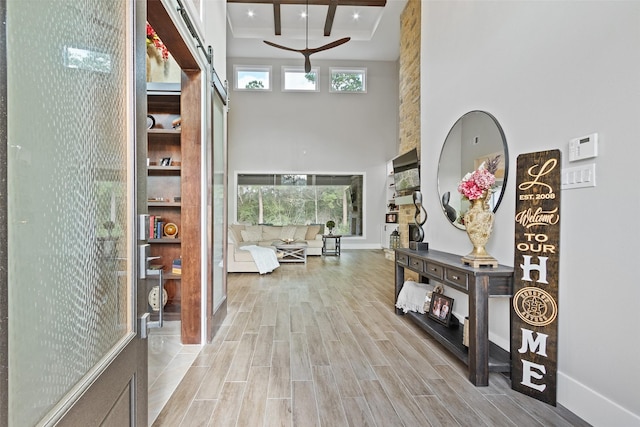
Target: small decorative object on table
<point x="420" y="218"/>
<point x="477" y="186"/>
<point x="440" y="309"/>
<point x="394" y="240"/>
<point x="151" y="121"/>
<point x="330" y="225"/>
<point x="170" y="230"/>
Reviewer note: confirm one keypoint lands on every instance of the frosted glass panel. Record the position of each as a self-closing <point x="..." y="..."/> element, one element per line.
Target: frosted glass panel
<point x="219" y="293"/>
<point x="69" y="303"/>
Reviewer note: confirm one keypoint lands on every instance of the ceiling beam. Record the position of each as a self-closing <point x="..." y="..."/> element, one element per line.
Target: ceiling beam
<point x="331" y="13"/>
<point x="373" y="3"/>
<point x="277" y="25"/>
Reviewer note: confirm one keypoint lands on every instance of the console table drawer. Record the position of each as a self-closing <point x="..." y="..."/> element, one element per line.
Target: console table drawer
<point x="416" y="264"/>
<point x="457" y="277"/>
<point x="402" y="259"/>
<point x="434" y="270"/>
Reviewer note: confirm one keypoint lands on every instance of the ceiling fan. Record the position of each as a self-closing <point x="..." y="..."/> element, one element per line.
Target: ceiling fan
<point x="306" y="52"/>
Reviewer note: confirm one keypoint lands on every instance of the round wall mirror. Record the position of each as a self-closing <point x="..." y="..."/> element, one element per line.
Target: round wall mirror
<point x="474" y="138"/>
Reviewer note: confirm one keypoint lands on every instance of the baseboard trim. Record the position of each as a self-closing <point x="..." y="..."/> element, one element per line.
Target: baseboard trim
<point x="591" y="406"/>
<point x="345" y="245"/>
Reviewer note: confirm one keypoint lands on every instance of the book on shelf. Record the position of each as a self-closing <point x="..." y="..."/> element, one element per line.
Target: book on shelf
<point x="156" y="227"/>
<point x="176" y="267"/>
<point x="154" y="221"/>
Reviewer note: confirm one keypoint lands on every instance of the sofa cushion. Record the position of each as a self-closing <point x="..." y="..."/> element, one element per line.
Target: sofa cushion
<point x="312" y="231"/>
<point x="315" y="243"/>
<point x="288" y="232"/>
<point x="240" y="255"/>
<point x="301" y="233"/>
<point x="234" y="233"/>
<point x="271" y="232"/>
<point x="252" y="233"/>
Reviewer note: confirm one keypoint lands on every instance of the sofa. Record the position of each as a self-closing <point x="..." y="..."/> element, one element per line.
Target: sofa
<point x="241" y="261"/>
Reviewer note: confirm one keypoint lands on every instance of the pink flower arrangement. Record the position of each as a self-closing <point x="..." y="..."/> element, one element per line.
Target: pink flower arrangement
<point x="152" y="38"/>
<point x="474" y="184"/>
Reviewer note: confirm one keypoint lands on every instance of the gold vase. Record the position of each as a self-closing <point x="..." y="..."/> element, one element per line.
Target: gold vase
<point x="479" y="223"/>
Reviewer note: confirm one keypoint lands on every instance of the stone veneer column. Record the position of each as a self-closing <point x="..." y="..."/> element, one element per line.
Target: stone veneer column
<point x="409" y="126"/>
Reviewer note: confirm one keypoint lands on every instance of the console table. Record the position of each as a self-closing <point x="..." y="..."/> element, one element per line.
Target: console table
<point x="479" y="284"/>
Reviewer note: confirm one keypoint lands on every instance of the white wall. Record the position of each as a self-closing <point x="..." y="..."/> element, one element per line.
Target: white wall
<point x="317" y="132"/>
<point x="214" y="22"/>
<point x="550" y="71"/>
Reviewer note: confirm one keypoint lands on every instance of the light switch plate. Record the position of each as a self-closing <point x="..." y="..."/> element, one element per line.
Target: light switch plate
<point x="584" y="147"/>
<point x="578" y="177"/>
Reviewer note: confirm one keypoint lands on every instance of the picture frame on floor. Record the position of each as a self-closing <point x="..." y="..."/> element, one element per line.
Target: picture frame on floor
<point x="441" y="308"/>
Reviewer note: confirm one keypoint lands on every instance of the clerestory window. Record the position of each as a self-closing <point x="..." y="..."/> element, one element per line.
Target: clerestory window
<point x="348" y="80"/>
<point x="256" y="78"/>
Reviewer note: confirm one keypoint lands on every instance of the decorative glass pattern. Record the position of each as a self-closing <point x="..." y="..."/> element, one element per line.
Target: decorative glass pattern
<point x="219" y="291"/>
<point x="68" y="126"/>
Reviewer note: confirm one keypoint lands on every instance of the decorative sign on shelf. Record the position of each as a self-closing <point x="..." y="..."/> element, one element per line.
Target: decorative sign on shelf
<point x="534" y="321"/>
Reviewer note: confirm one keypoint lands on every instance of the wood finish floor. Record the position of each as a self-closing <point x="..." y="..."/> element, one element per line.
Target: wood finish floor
<point x="320" y="345"/>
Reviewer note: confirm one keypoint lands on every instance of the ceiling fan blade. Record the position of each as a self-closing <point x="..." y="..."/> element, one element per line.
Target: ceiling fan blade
<point x="281" y="47"/>
<point x="330" y="45"/>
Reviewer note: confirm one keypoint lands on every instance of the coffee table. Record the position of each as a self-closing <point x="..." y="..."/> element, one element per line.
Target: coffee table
<point x="291" y="252"/>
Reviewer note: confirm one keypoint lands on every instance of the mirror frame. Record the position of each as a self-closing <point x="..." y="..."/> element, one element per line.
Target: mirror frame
<point x="505" y="154"/>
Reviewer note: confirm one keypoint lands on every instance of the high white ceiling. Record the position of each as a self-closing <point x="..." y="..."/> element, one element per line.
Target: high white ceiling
<point x="375" y="35"/>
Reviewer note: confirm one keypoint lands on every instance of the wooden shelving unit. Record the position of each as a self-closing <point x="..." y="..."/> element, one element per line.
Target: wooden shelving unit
<point x="165" y="182"/>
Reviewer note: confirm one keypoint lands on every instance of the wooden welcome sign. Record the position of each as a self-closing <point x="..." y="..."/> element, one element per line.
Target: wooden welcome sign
<point x="534" y="317"/>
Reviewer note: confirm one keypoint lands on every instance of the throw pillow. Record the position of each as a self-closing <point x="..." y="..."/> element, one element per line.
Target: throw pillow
<point x="301" y="233"/>
<point x="235" y="235"/>
<point x="288" y="232"/>
<point x="271" y="232"/>
<point x="312" y="231"/>
<point x="250" y="236"/>
<point x="252" y="233"/>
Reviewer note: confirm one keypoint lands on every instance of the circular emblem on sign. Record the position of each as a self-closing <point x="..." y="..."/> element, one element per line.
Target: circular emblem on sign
<point x="535" y="306"/>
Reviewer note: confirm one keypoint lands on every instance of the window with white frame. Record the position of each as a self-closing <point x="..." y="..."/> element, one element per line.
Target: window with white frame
<point x="252" y="77"/>
<point x="295" y="79"/>
<point x="348" y="80"/>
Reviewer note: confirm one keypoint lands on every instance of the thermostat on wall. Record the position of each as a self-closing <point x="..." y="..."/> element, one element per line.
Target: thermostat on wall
<point x="584" y="147"/>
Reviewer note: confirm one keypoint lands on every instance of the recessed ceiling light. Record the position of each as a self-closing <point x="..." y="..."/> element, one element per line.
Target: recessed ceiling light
<point x="251" y="13"/>
<point x="303" y="14"/>
<point x="355" y="16"/>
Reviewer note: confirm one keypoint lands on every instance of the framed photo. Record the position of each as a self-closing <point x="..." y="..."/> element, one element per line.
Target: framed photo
<point x="391" y="218"/>
<point x="440" y="308"/>
<point x="166" y="161"/>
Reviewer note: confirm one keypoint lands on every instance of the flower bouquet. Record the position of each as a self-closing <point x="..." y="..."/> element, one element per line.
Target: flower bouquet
<point x="476" y="186"/>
